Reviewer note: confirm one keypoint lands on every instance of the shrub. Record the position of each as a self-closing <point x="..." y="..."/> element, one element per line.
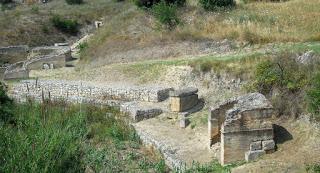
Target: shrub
<point x="283" y="80"/>
<point x="313" y="95"/>
<point x="71" y="2"/>
<point x="211" y="5"/>
<point x="65" y="25"/>
<point x="150" y="3"/>
<point x="6" y="105"/>
<point x="5" y="1"/>
<point x="166" y="14"/>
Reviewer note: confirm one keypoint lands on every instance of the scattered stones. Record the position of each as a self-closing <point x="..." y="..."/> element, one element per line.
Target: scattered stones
<point x="254" y="155"/>
<point x="182" y="100"/>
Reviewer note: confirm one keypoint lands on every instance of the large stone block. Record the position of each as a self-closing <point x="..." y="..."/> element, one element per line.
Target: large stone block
<point x="268" y="145"/>
<point x="254" y="155"/>
<point x="180" y="104"/>
<point x="255" y="146"/>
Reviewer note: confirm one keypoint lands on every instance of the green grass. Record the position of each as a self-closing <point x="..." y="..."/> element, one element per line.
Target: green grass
<point x="55" y="137"/>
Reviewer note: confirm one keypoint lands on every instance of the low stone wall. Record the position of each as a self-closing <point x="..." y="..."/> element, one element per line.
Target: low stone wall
<point x="16" y="74"/>
<point x="82" y="91"/>
<point x="14" y="49"/>
<point x="57" y="61"/>
<point x="138" y="111"/>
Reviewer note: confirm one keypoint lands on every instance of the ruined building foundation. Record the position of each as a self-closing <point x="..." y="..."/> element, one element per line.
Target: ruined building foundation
<point x="243" y="128"/>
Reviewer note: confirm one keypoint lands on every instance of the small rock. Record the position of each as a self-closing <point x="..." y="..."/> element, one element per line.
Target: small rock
<point x="46" y="67"/>
<point x="253" y="155"/>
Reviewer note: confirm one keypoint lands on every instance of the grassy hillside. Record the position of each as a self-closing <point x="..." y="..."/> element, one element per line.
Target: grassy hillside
<point x="31" y="24"/>
<point x="253" y="23"/>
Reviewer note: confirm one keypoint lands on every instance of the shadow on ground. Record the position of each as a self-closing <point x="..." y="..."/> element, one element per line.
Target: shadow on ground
<point x="281" y="134"/>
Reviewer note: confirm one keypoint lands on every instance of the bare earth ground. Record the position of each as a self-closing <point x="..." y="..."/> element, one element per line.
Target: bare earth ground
<point x="189" y="145"/>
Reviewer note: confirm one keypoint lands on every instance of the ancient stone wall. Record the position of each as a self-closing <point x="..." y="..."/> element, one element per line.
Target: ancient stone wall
<point x="14" y="49"/>
<point x="16" y="71"/>
<point x="57" y="61"/>
<point x="239" y="122"/>
<point x="83" y="91"/>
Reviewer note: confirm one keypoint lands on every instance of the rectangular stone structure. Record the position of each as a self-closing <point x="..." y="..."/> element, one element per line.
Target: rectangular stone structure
<point x="243" y="125"/>
<point x="180" y="104"/>
<point x="183" y="100"/>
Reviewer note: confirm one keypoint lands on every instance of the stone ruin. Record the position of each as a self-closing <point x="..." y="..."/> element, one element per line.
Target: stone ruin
<point x="48" y="57"/>
<point x="239" y="129"/>
<point x="98" y="24"/>
<point x="242" y="127"/>
<point x="184" y="99"/>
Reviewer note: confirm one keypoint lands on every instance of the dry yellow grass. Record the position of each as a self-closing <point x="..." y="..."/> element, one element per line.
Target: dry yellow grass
<point x="257" y="22"/>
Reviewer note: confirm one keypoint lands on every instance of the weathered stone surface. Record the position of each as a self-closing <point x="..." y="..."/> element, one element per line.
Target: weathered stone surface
<point x="255" y="146"/>
<point x="139" y="112"/>
<point x="46" y="67"/>
<point x="308" y="57"/>
<point x="79" y="90"/>
<point x="180" y="104"/>
<point x="183" y="92"/>
<point x="268" y="145"/>
<point x="183" y="120"/>
<point x="254" y="155"/>
<point x="242" y="121"/>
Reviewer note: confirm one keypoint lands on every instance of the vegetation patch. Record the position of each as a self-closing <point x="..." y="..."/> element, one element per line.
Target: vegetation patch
<point x="166" y="14"/>
<point x="73" y="138"/>
<point x="284" y="81"/>
<point x="212" y="5"/>
<point x="65" y="25"/>
<point x="72" y="2"/>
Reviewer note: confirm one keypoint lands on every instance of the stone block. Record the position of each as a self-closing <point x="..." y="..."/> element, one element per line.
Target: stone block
<point x="255" y="146"/>
<point x="180" y="104"/>
<point x="254" y="155"/>
<point x="183" y="120"/>
<point x="268" y="145"/>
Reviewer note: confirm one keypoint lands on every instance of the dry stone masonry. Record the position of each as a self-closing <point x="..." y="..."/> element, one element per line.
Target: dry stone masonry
<point x="242" y="126"/>
<point x="66" y="89"/>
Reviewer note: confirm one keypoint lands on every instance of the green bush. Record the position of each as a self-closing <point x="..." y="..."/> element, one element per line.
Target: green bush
<point x="150" y="3"/>
<point x="5" y="1"/>
<point x="65" y="25"/>
<point x="313" y="95"/>
<point x="71" y="2"/>
<point x="166" y="14"/>
<point x="211" y="5"/>
<point x="283" y="80"/>
<point x="6" y="105"/>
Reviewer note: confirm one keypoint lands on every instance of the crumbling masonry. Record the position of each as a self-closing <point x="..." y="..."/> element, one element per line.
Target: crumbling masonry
<point x="243" y="128"/>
